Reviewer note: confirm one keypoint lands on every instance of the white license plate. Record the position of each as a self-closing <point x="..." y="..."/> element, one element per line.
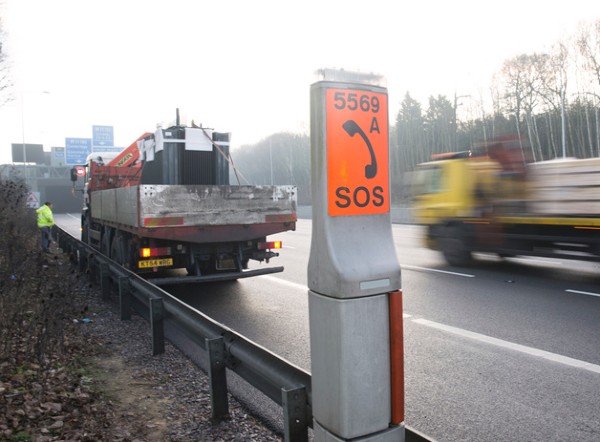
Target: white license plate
<point x="149" y="263"/>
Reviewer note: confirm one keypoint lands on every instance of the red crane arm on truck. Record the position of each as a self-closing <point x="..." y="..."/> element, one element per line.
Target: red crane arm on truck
<point x="122" y="171"/>
<point x="128" y="156"/>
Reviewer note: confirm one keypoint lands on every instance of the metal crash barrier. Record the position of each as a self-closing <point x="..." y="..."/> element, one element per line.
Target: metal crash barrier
<point x="285" y="384"/>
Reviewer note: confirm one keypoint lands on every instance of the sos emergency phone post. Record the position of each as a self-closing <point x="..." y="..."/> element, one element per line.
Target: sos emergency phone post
<point x="355" y="301"/>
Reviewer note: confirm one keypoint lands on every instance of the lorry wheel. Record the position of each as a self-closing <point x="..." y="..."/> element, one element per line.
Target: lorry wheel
<point x="119" y="250"/>
<point x="455" y="250"/>
<point x="105" y="243"/>
<point x="116" y="254"/>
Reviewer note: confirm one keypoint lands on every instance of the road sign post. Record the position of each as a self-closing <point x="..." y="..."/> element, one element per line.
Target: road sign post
<point x="353" y="268"/>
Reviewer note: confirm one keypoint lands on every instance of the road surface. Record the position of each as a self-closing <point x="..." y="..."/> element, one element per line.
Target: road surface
<point x="500" y="351"/>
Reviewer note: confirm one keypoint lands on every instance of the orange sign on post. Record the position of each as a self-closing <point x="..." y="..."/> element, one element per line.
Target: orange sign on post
<point x="357" y="152"/>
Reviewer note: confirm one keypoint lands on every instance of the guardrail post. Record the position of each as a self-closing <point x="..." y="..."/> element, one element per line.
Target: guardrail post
<point x="82" y="259"/>
<point x="92" y="268"/>
<point x="295" y="423"/>
<point x="218" y="377"/>
<point x="157" y="314"/>
<point x="60" y="240"/>
<point x="125" y="298"/>
<point x="72" y="251"/>
<point x="105" y="280"/>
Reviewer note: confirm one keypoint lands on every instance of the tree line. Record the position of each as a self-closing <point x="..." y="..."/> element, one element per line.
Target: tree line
<point x="551" y="99"/>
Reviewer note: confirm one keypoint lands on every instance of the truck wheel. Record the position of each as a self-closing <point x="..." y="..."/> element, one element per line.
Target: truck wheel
<point x="119" y="250"/>
<point x="105" y="242"/>
<point x="454" y="249"/>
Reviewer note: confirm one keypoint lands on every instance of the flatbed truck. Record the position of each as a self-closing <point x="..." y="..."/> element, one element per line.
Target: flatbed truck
<point x="491" y="200"/>
<point x="165" y="202"/>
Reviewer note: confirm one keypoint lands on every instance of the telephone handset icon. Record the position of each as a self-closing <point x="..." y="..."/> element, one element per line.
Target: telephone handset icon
<point x="352" y="129"/>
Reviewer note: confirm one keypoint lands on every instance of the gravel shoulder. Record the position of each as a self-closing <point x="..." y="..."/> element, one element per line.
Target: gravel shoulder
<point x="122" y="392"/>
<point x="167" y="392"/>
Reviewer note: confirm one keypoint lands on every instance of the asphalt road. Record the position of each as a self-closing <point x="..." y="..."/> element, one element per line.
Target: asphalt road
<point x="500" y="351"/>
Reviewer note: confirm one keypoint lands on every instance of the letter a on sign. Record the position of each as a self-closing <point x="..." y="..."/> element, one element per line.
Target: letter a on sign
<point x="357" y="152"/>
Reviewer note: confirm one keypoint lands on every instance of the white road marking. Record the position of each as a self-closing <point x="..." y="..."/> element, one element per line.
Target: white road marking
<point x="409" y="267"/>
<point x="512" y="346"/>
<point x="284" y="282"/>
<point x="541" y="260"/>
<point x="565" y="360"/>
<point x="579" y="292"/>
<point x="78" y="218"/>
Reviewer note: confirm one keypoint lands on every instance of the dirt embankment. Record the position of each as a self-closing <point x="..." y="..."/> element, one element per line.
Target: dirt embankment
<point x="71" y="370"/>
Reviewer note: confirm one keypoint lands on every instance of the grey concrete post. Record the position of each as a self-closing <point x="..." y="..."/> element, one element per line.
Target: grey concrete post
<point x="353" y="265"/>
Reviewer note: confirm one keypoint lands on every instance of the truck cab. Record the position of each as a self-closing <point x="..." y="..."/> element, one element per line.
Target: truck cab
<point x="453" y="188"/>
<point x="497" y="203"/>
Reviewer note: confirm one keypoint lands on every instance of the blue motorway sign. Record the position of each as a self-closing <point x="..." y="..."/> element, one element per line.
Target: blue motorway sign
<point x="77" y="150"/>
<point x="102" y="136"/>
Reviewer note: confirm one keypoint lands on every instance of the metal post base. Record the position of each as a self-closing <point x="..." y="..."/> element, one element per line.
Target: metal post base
<point x="392" y="434"/>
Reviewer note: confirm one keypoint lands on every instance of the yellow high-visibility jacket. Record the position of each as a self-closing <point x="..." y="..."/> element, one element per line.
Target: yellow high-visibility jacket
<point x="44" y="217"/>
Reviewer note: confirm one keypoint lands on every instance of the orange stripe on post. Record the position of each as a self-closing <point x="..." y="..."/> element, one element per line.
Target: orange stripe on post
<point x="397" y="356"/>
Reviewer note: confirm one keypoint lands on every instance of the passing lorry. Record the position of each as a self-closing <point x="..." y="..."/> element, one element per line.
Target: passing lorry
<point x="165" y="202"/>
<point x="491" y="199"/>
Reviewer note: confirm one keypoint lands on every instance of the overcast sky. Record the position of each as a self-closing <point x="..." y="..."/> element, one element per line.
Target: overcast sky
<point x="246" y="66"/>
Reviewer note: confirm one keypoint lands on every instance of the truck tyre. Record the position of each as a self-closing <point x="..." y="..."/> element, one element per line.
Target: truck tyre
<point x="454" y="248"/>
<point x="105" y="242"/>
<point x="119" y="250"/>
<point x="116" y="253"/>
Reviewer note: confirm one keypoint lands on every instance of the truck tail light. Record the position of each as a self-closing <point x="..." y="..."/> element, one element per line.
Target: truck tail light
<point x="147" y="252"/>
<point x="269" y="245"/>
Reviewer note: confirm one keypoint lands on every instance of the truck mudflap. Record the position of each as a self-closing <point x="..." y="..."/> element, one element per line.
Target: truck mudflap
<point x="229" y="276"/>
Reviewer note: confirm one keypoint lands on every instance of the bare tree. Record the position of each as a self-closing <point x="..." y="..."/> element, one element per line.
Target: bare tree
<point x="556" y="85"/>
<point x="521" y="76"/>
<point x="588" y="43"/>
<point x="5" y="82"/>
<point x="495" y="95"/>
